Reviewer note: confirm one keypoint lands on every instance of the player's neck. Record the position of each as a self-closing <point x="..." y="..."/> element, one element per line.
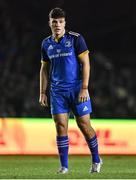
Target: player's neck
<point x="57" y="37"/>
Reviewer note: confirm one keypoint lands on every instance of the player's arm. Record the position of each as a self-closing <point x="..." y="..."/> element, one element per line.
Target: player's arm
<point x="83" y="56"/>
<point x="43" y="83"/>
<point x="84" y="60"/>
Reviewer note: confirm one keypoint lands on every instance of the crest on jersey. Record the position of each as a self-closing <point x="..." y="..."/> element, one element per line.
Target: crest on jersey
<point x="68" y="44"/>
<point x="50" y="47"/>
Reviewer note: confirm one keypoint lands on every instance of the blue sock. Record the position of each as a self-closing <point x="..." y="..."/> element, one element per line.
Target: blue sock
<point x="93" y="146"/>
<point x="63" y="145"/>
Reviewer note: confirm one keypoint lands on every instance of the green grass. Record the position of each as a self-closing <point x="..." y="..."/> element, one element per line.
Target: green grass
<point x="44" y="167"/>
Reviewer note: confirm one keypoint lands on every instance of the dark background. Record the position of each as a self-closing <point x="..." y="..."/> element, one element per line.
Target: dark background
<point x="109" y="27"/>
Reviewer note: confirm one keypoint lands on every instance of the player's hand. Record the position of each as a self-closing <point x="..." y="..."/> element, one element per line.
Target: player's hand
<point x="43" y="99"/>
<point x="83" y="95"/>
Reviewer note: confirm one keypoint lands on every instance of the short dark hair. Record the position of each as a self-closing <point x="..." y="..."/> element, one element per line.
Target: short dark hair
<point x="57" y="13"/>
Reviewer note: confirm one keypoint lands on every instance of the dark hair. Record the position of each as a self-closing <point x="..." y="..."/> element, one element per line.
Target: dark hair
<point x="57" y="13"/>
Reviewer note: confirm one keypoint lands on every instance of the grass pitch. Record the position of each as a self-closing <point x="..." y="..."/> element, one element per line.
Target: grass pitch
<point x="44" y="167"/>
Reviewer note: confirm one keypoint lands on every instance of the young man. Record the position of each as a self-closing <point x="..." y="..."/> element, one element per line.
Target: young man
<point x="67" y="54"/>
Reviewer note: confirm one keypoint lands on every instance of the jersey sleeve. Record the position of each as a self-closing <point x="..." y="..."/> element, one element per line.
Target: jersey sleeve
<point x="80" y="45"/>
<point x="44" y="56"/>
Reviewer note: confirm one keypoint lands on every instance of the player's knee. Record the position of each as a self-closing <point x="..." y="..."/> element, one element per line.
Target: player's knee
<point x="61" y="127"/>
<point x="82" y="125"/>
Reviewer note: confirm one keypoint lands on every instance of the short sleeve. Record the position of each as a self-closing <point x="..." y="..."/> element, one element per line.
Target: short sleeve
<point x="80" y="45"/>
<point x="44" y="56"/>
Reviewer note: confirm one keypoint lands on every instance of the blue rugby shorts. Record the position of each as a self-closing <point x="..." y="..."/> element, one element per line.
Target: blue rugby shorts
<point x="63" y="101"/>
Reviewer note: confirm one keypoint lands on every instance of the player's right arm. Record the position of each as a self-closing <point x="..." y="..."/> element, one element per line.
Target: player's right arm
<point x="43" y="84"/>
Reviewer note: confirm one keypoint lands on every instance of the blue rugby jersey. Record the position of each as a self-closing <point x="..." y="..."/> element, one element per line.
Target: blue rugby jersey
<point x="65" y="69"/>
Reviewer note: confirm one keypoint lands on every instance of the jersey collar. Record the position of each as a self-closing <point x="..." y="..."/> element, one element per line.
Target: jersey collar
<point x="60" y="39"/>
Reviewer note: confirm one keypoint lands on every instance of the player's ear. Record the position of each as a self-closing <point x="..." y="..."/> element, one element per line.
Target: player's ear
<point x="49" y="22"/>
<point x="64" y="24"/>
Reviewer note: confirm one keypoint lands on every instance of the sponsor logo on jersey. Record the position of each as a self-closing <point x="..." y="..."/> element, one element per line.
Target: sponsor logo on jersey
<point x="58" y="50"/>
<point x="60" y="55"/>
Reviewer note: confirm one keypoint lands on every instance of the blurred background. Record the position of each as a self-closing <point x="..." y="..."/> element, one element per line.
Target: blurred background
<point x="109" y="28"/>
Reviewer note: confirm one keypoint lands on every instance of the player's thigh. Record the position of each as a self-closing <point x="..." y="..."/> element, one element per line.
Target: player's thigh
<point x="83" y="120"/>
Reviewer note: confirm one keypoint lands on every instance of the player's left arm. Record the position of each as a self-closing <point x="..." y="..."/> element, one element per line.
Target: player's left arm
<point x="84" y="60"/>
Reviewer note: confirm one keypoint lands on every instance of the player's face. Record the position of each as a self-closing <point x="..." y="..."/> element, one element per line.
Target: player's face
<point x="57" y="26"/>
